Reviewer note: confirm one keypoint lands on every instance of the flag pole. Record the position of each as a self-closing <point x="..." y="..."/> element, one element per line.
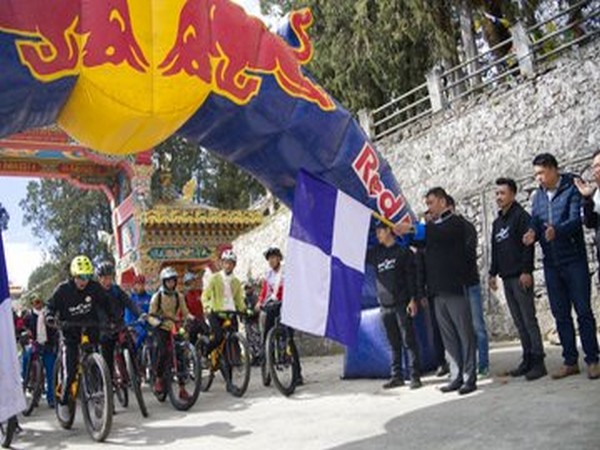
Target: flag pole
<point x="383" y="220"/>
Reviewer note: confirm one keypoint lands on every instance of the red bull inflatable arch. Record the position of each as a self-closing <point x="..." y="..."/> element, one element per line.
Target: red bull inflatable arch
<point x="121" y="76"/>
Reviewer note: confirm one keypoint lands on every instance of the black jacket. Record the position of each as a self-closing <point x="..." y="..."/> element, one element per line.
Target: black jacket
<point x="510" y="257"/>
<point x="395" y="268"/>
<point x="591" y="220"/>
<point x="471" y="242"/>
<point x="120" y="301"/>
<point x="91" y="305"/>
<point x="447" y="255"/>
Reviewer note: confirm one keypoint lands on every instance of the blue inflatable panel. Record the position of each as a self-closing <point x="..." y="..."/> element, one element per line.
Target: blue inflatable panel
<point x="371" y="356"/>
<point x="369" y="290"/>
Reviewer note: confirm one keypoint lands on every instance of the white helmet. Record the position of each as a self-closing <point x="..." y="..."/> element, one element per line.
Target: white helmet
<point x="189" y="277"/>
<point x="228" y="255"/>
<point x="167" y="273"/>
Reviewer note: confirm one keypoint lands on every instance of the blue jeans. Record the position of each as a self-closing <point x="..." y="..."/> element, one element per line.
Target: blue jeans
<point x="569" y="286"/>
<point x="48" y="359"/>
<point x="483" y="349"/>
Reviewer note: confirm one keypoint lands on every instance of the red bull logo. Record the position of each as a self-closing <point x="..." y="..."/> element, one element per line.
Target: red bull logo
<point x="56" y="45"/>
<point x="144" y="68"/>
<point x="366" y="166"/>
<point x="207" y="48"/>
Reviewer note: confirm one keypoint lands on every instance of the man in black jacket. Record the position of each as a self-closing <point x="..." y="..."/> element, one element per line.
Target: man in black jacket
<point x="80" y="300"/>
<point x="447" y="275"/>
<point x="395" y="268"/>
<point x="513" y="262"/>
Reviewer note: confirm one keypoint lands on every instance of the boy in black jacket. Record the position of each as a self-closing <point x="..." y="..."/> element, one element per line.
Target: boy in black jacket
<point x="513" y="262"/>
<point x="396" y="285"/>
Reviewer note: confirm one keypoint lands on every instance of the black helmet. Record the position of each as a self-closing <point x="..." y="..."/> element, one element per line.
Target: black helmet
<point x="104" y="269"/>
<point x="273" y="251"/>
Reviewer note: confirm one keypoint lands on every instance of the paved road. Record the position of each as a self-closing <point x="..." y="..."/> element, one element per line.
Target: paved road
<point x="328" y="413"/>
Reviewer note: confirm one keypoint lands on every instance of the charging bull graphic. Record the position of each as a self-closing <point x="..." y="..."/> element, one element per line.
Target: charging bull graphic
<point x="54" y="44"/>
<point x="120" y="76"/>
<point x="206" y="48"/>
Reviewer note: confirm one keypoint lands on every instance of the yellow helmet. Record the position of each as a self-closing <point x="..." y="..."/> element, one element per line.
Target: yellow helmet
<point x="81" y="266"/>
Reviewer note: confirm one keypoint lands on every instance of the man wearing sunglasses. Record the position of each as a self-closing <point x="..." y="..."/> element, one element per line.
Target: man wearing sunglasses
<point x="81" y="300"/>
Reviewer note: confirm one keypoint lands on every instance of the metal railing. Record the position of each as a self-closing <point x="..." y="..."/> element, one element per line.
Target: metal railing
<point x="508" y="62"/>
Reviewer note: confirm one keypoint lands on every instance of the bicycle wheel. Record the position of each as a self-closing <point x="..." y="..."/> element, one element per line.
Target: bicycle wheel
<point x="184" y="381"/>
<point x="236" y="364"/>
<point x="281" y="358"/>
<point x="264" y="372"/>
<point x="135" y="382"/>
<point x="64" y="415"/>
<point x="33" y="385"/>
<point x="7" y="431"/>
<point x="120" y="380"/>
<point x="96" y="397"/>
<point x="162" y="395"/>
<point x="207" y="373"/>
<point x="146" y="364"/>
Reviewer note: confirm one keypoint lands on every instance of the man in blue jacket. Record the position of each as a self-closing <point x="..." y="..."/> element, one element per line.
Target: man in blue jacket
<point x="556" y="224"/>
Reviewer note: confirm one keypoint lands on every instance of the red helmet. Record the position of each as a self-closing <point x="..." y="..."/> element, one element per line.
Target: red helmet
<point x="139" y="279"/>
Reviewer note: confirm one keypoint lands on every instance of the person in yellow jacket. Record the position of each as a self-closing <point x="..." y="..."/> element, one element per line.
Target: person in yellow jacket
<point x="223" y="294"/>
<point x="167" y="305"/>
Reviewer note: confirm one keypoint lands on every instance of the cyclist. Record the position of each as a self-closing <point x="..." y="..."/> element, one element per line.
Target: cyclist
<point x="141" y="298"/>
<point x="119" y="302"/>
<point x="193" y="300"/>
<point x="79" y="299"/>
<point x="168" y="305"/>
<point x="272" y="291"/>
<point x="223" y="294"/>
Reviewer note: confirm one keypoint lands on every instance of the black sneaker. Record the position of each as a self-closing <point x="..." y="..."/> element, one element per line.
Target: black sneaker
<point x="520" y="371"/>
<point x="394" y="383"/>
<point x="452" y="387"/>
<point x="415" y="383"/>
<point x="537" y="371"/>
<point x="467" y="389"/>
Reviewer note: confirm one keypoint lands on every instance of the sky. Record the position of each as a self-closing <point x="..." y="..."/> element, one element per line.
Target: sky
<point x="23" y="252"/>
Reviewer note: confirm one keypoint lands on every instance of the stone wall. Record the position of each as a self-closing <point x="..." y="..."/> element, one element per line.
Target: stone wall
<point x="464" y="149"/>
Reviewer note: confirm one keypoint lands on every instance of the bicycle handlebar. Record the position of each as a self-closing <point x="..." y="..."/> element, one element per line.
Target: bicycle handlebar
<point x="61" y="324"/>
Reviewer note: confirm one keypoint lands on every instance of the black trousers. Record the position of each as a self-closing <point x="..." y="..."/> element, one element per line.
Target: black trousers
<point x="70" y="357"/>
<point x="107" y="347"/>
<point x="216" y="329"/>
<point x="521" y="303"/>
<point x="400" y="333"/>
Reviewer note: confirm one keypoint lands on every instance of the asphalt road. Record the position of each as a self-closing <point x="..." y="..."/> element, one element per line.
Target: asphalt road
<point x="328" y="413"/>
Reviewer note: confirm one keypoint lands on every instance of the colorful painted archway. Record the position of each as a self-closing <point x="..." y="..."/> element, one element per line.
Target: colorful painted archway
<point x="146" y="235"/>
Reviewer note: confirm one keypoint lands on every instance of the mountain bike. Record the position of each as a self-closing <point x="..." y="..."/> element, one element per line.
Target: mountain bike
<point x="231" y="357"/>
<point x="33" y="380"/>
<point x="92" y="384"/>
<point x="281" y="362"/>
<point x="183" y="372"/>
<point x="127" y="373"/>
